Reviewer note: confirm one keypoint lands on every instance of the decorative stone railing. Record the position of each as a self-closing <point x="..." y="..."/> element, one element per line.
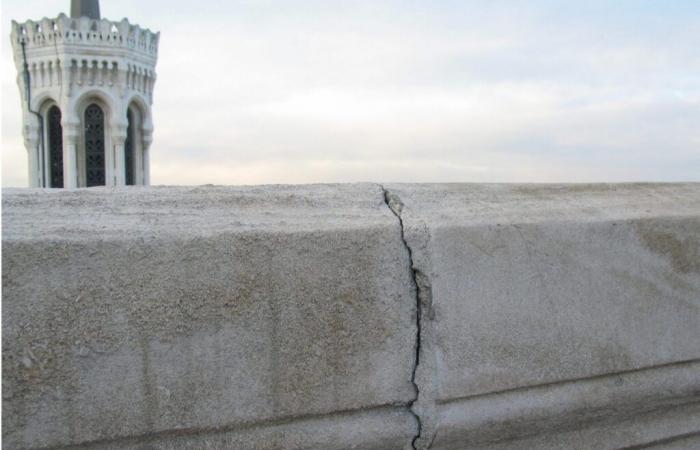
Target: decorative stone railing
<point x="352" y="316"/>
<point x="85" y="31"/>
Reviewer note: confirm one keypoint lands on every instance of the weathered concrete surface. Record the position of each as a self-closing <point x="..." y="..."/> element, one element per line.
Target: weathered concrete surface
<point x="175" y="312"/>
<point x="527" y="285"/>
<point x="286" y="317"/>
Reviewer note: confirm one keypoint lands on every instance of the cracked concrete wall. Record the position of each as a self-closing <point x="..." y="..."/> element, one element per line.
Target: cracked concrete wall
<point x="352" y="316"/>
<point x="552" y="309"/>
<point x="206" y="318"/>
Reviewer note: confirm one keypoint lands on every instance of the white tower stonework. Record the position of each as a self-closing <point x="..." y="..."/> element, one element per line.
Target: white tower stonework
<point x="87" y="90"/>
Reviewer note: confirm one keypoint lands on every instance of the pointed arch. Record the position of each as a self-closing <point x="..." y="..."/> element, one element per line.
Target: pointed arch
<point x="51" y="152"/>
<point x="96" y="110"/>
<point x="135" y="148"/>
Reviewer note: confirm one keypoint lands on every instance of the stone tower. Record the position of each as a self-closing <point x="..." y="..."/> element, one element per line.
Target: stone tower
<point x="87" y="89"/>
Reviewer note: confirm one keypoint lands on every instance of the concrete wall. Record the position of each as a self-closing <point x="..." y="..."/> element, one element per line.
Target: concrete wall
<point x="352" y="316"/>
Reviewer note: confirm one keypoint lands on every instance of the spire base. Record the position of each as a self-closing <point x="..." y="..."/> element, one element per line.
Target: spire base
<point x="85" y="8"/>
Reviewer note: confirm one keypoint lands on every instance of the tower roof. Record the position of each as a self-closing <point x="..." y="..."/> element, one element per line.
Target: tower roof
<point x="85" y="8"/>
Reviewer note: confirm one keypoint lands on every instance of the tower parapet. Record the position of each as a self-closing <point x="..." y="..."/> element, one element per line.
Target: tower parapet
<point x="70" y="68"/>
<point x="84" y="31"/>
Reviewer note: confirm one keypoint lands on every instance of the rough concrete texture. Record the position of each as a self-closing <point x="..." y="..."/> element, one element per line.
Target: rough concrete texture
<point x="534" y="285"/>
<point x="352" y="316"/>
<point x="179" y="310"/>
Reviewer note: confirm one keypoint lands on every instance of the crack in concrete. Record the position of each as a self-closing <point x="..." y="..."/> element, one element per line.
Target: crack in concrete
<point x="396" y="207"/>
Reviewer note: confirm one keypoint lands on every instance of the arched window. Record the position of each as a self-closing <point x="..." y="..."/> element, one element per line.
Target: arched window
<point x="94" y="146"/>
<point x="55" y="134"/>
<point x="129" y="149"/>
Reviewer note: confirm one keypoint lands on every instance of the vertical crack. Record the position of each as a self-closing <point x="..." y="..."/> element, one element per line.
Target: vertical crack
<point x="396" y="207"/>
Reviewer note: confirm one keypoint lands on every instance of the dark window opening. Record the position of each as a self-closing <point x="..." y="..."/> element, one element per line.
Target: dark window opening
<point x="94" y="146"/>
<point x="129" y="150"/>
<point x="55" y="132"/>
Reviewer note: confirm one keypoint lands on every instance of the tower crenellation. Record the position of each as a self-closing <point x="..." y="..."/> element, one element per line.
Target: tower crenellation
<point x="87" y="88"/>
<point x="105" y="33"/>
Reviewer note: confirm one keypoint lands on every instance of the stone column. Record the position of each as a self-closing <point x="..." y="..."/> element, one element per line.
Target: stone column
<point x="147" y="141"/>
<point x="118" y="140"/>
<point x="31" y="143"/>
<point x="71" y="136"/>
<point x="68" y="76"/>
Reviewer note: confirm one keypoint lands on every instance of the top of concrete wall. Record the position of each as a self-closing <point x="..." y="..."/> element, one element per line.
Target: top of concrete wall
<point x="101" y="213"/>
<point x="203" y="210"/>
<point x="466" y="204"/>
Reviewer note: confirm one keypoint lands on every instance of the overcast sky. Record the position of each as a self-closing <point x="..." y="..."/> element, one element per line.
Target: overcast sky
<point x="263" y="91"/>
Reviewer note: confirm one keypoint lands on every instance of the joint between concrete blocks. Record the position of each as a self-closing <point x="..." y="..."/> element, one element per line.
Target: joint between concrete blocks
<point x="423" y="294"/>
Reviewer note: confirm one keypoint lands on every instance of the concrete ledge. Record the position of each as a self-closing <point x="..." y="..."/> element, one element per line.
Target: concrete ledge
<point x="521" y="413"/>
<point x="378" y="428"/>
<point x="352" y="316"/>
<point x="664" y="428"/>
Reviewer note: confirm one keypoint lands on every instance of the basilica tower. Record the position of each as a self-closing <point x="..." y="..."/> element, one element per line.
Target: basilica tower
<point x="87" y="89"/>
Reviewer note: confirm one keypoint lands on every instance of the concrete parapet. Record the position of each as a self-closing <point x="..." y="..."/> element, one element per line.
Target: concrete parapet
<point x="352" y="316"/>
